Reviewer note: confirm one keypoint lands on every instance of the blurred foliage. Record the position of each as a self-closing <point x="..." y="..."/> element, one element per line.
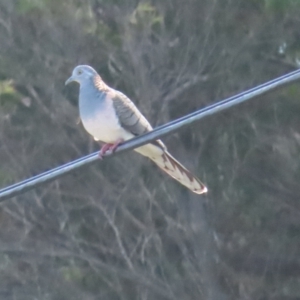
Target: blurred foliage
<point x="120" y="229"/>
<point x="280" y="6"/>
<point x="145" y="15"/>
<point x="8" y="94"/>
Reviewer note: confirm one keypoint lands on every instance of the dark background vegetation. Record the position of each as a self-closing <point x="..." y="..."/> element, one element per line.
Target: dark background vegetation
<point x="121" y="229"/>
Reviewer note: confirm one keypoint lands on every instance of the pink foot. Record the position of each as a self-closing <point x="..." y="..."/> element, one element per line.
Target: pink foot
<point x="111" y="147"/>
<point x="104" y="149"/>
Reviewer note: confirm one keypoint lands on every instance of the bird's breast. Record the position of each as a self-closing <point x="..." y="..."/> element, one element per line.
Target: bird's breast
<point x="100" y="120"/>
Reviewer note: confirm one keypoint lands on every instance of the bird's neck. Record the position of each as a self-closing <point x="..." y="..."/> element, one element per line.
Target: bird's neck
<point x="99" y="83"/>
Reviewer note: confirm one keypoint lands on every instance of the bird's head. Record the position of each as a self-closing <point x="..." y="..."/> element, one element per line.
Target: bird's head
<point x="82" y="74"/>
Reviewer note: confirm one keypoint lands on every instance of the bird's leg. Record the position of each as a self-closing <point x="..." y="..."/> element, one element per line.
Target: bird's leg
<point x="109" y="146"/>
<point x="115" y="145"/>
<point x="104" y="149"/>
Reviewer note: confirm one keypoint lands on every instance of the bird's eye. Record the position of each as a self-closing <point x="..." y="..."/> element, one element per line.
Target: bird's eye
<point x="79" y="72"/>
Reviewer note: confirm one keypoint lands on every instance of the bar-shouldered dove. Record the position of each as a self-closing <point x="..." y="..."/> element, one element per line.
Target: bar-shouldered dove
<point x="111" y="117"/>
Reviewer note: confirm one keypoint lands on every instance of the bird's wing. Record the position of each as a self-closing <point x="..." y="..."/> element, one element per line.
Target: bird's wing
<point x="133" y="121"/>
<point x="131" y="118"/>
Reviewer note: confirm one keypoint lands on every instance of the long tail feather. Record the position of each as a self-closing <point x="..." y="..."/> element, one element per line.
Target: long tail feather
<point x="176" y="170"/>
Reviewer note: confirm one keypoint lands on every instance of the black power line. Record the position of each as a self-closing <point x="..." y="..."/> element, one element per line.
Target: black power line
<point x="157" y="133"/>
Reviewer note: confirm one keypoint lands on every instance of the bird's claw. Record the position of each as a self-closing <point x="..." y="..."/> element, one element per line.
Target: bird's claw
<point x="109" y="147"/>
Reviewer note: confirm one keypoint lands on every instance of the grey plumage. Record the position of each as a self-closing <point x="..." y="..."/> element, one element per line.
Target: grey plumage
<point x="110" y="116"/>
<point x="129" y="116"/>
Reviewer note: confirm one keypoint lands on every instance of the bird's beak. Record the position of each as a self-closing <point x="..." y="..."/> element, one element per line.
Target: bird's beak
<point x="69" y="80"/>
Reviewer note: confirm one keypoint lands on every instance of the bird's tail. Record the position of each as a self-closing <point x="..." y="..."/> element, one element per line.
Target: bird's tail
<point x="176" y="170"/>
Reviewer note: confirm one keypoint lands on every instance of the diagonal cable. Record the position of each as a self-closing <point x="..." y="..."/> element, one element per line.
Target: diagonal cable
<point x="157" y="133"/>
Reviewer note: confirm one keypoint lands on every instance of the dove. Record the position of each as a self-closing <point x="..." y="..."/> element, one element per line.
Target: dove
<point x="111" y="117"/>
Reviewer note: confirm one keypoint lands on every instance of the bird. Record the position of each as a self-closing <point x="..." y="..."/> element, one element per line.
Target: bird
<point x="109" y="116"/>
